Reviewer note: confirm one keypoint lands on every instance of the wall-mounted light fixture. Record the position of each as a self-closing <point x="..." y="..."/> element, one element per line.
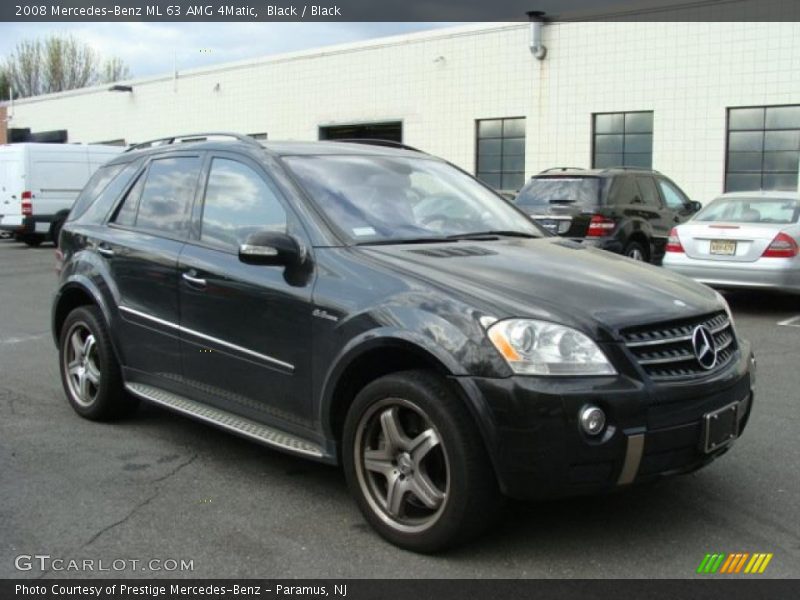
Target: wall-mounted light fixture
<point x="536" y="44"/>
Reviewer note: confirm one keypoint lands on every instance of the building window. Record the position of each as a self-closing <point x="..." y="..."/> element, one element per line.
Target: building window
<point x="390" y="131"/>
<point x="258" y="136"/>
<point x="763" y="148"/>
<point x="623" y="139"/>
<point x="500" y="155"/>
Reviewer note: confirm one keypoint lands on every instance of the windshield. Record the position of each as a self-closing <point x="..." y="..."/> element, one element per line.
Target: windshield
<point x="384" y="199"/>
<point x="751" y="210"/>
<point x="546" y="191"/>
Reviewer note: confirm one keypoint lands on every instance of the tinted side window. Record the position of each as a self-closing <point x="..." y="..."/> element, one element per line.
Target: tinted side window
<point x="673" y="197"/>
<point x="98" y="210"/>
<point x="96" y="184"/>
<point x="126" y="213"/>
<point x="238" y="202"/>
<point x="649" y="191"/>
<point x="167" y="195"/>
<point x="623" y="191"/>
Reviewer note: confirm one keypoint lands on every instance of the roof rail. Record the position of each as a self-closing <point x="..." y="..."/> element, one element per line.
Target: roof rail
<point x="623" y="168"/>
<point x="379" y="142"/>
<point x="192" y="137"/>
<point x="562" y="169"/>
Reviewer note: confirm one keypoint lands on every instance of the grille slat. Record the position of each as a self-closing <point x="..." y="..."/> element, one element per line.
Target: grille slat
<point x="665" y="350"/>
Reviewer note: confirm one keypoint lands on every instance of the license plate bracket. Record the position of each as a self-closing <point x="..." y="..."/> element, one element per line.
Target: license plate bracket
<point x="720" y="427"/>
<point x="723" y="247"/>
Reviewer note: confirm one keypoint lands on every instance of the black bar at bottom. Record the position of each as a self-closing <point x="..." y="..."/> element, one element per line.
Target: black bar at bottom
<point x="728" y="588"/>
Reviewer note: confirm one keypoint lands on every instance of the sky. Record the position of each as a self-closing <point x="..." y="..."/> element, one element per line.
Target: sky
<point x="151" y="48"/>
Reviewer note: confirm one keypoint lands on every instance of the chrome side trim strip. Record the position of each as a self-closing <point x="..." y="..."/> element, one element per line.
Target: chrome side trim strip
<point x="169" y="324"/>
<point x="633" y="457"/>
<point x="225" y="420"/>
<point x="176" y="327"/>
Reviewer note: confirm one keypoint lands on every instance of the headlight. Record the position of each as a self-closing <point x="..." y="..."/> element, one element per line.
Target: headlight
<point x="540" y="348"/>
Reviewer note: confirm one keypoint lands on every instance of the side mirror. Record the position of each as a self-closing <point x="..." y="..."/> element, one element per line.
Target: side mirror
<point x="694" y="206"/>
<point x="272" y="248"/>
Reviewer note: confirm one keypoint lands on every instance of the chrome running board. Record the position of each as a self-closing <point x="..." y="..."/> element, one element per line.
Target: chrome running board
<point x="226" y="420"/>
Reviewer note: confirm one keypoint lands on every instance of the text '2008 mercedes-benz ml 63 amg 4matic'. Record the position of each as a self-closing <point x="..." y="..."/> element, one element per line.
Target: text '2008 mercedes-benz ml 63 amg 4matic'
<point x="377" y="307"/>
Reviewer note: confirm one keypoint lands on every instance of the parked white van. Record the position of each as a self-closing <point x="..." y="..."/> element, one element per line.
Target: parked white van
<point x="39" y="184"/>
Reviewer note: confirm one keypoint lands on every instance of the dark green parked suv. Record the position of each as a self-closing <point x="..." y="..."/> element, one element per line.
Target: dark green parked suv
<point x="378" y="308"/>
<point x="626" y="210"/>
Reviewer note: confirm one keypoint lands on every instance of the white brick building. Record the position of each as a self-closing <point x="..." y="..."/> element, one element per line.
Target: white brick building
<point x="439" y="85"/>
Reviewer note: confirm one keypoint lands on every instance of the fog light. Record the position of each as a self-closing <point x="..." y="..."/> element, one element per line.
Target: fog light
<point x="593" y="420"/>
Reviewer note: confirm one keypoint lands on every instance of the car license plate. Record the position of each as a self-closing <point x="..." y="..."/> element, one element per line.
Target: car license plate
<point x="721" y="427"/>
<point x="723" y="247"/>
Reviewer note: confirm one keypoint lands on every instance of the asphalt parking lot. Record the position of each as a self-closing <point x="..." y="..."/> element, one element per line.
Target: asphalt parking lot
<point x="160" y="486"/>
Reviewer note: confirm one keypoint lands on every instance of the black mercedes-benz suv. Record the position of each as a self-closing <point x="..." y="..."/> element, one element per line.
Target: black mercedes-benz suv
<point x="625" y="210"/>
<point x="378" y="307"/>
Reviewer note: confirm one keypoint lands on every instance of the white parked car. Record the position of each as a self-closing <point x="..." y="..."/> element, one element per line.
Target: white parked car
<point x="39" y="184"/>
<point x="741" y="240"/>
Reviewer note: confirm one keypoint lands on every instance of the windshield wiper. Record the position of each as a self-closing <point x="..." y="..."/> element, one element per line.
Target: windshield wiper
<point x="491" y="234"/>
<point x="562" y="201"/>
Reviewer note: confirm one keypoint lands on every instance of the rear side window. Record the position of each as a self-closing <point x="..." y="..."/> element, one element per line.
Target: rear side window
<point x="545" y="191"/>
<point x="167" y="191"/>
<point x="94" y="187"/>
<point x="624" y="191"/>
<point x="126" y="213"/>
<point x="649" y="191"/>
<point x="672" y="195"/>
<point x="238" y="203"/>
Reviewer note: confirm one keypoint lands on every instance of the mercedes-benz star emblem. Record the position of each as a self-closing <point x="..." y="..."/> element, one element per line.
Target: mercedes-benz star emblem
<point x="705" y="349"/>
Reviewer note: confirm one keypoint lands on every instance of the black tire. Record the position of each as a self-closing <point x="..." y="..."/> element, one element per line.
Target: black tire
<point x="33" y="240"/>
<point x="106" y="398"/>
<point x="470" y="497"/>
<point x="636" y="251"/>
<point x="55" y="231"/>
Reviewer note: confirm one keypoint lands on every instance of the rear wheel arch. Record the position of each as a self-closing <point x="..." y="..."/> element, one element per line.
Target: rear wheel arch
<point x="72" y="296"/>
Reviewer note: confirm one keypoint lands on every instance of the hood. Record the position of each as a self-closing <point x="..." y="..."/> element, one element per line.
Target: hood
<point x="552" y="279"/>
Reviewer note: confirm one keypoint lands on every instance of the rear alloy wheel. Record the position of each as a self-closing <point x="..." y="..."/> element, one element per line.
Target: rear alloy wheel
<point x="636" y="251"/>
<point x="90" y="373"/>
<point x="413" y="464"/>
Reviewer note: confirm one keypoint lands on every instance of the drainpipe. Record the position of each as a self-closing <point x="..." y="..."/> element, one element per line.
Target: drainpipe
<point x="536" y="43"/>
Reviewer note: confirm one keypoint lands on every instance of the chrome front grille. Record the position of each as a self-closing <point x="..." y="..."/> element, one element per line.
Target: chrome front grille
<point x="665" y="350"/>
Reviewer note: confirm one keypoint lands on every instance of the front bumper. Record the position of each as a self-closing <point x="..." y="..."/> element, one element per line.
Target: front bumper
<point x="652" y="430"/>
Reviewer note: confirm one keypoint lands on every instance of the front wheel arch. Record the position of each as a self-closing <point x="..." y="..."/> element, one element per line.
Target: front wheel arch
<point x="388" y="356"/>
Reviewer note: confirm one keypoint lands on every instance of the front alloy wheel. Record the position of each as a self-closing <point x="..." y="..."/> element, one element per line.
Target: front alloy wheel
<point x="402" y="464"/>
<point x="416" y="464"/>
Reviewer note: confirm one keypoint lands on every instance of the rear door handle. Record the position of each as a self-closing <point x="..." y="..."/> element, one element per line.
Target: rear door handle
<point x="192" y="280"/>
<point x="105" y="251"/>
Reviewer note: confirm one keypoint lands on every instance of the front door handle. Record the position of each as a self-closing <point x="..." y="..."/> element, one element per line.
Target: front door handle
<point x="105" y="251"/>
<point x="192" y="280"/>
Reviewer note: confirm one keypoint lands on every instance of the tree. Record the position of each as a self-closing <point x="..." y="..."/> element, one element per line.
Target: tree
<point x="58" y="63"/>
<point x="3" y="85"/>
